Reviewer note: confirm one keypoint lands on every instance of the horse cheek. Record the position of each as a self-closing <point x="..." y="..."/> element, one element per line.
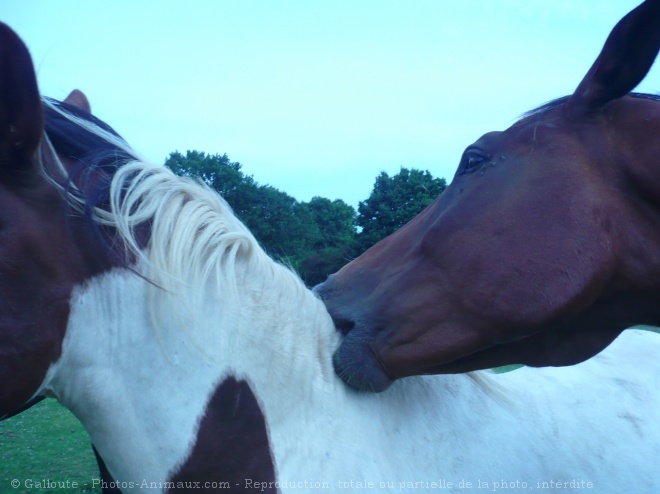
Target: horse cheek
<point x="30" y="341"/>
<point x="35" y="286"/>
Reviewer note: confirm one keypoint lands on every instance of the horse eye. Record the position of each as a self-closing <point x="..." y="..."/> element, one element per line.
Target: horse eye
<point x="472" y="161"/>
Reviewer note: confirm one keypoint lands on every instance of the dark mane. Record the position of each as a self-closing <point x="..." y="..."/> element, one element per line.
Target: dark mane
<point x="550" y="105"/>
<point x="98" y="158"/>
<point x="76" y="142"/>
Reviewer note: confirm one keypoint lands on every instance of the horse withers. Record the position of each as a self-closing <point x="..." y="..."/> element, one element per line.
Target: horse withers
<point x="545" y="246"/>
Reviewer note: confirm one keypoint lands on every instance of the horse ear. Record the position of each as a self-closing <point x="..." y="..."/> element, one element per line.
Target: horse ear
<point x="21" y="116"/>
<point x="624" y="61"/>
<point x="78" y="99"/>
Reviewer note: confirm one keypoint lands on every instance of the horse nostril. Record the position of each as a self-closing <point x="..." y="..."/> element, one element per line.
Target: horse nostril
<point x="344" y="326"/>
<point x="322" y="290"/>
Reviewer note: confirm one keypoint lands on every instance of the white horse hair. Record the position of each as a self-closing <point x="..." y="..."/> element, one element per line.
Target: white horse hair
<point x="142" y="356"/>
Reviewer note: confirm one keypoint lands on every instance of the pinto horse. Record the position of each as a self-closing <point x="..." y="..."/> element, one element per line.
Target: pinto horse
<point x="545" y="246"/>
<point x="139" y="301"/>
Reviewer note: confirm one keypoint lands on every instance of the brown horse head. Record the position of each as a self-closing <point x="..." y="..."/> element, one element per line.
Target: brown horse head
<point x="545" y="246"/>
<point x="45" y="248"/>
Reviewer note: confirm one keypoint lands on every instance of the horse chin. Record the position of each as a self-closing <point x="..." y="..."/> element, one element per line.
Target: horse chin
<point x="358" y="366"/>
<point x="548" y="348"/>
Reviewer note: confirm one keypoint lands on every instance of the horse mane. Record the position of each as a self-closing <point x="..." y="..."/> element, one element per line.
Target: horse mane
<point x="193" y="233"/>
<point x="555" y="103"/>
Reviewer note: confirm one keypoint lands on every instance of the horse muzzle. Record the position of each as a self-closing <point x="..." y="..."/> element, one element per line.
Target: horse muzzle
<point x="356" y="361"/>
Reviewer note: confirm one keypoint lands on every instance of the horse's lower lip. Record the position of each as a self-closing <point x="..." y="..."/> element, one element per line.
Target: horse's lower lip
<point x="359" y="367"/>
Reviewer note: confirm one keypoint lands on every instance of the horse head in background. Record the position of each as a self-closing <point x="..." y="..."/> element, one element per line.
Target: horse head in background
<point x="45" y="251"/>
<point x="545" y="246"/>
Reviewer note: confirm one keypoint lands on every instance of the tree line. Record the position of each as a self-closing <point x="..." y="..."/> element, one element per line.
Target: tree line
<point x="317" y="237"/>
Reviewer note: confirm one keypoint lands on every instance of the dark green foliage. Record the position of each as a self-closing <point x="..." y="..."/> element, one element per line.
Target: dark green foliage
<point x="220" y="174"/>
<point x="317" y="237"/>
<point x="335" y="223"/>
<point x="318" y="264"/>
<point x="393" y="202"/>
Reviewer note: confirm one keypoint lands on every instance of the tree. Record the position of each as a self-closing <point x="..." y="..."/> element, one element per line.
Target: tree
<point x="335" y="221"/>
<point x="282" y="225"/>
<point x="221" y="174"/>
<point x="393" y="202"/>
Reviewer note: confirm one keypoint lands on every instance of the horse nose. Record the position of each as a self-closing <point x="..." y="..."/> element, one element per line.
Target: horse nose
<point x="327" y="292"/>
<point x="325" y="289"/>
<point x="320" y="290"/>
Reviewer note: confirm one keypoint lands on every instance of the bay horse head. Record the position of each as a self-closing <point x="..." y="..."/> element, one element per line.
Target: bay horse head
<point x="45" y="247"/>
<point x="545" y="246"/>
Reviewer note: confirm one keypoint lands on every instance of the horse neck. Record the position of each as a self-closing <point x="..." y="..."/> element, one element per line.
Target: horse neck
<point x="136" y="368"/>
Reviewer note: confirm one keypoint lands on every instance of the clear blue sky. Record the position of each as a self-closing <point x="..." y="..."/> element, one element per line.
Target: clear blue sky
<point x="315" y="97"/>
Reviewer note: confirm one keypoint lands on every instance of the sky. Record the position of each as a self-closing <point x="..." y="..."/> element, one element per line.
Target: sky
<point x="315" y="98"/>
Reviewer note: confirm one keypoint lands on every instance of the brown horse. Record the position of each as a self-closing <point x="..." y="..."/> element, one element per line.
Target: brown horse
<point x="545" y="246"/>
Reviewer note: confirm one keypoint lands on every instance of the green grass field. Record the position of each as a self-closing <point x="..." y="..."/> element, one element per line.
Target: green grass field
<point x="48" y="444"/>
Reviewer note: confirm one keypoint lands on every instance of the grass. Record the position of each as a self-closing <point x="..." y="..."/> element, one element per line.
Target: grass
<point x="46" y="444"/>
